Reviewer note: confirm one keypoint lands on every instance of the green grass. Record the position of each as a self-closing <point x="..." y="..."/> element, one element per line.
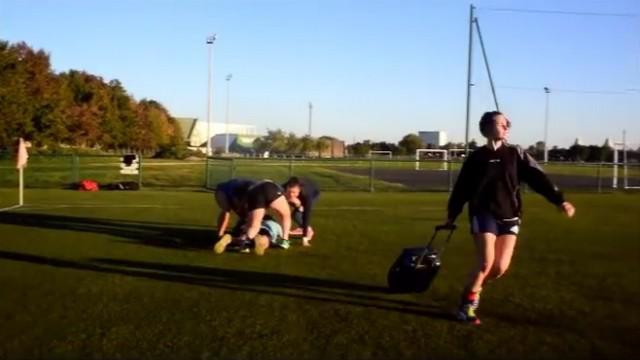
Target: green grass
<point x="60" y="171"/>
<point x="98" y="275"/>
<point x="331" y="174"/>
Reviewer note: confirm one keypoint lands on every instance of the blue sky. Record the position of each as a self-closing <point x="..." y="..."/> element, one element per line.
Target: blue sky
<point x="373" y="69"/>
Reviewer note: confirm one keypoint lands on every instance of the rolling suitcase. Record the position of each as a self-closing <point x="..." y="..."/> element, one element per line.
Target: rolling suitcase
<point x="416" y="267"/>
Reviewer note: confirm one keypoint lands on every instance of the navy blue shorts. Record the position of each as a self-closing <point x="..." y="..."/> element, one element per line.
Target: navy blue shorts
<point x="487" y="223"/>
<point x="261" y="195"/>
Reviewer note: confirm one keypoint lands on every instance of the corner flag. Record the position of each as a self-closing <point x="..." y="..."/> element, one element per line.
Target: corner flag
<point x="23" y="156"/>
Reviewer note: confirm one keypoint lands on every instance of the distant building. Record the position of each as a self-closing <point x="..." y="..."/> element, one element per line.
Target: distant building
<point x="239" y="144"/>
<point x="195" y="132"/>
<point x="433" y="138"/>
<point x="336" y="148"/>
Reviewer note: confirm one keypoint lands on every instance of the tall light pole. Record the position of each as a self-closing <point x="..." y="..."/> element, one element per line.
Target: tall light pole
<point x="226" y="142"/>
<point x="547" y="91"/>
<point x="310" y="113"/>
<point x="210" y="40"/>
<point x="469" y="63"/>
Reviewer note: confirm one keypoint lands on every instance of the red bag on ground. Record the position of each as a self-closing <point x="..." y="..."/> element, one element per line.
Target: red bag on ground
<point x="88" y="185"/>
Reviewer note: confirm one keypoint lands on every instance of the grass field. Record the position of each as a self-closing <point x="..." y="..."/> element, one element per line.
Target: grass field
<point x="131" y="275"/>
<point x="330" y="174"/>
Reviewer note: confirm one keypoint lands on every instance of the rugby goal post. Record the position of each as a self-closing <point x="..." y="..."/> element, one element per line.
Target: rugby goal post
<point x="617" y="148"/>
<point x="381" y="153"/>
<point x="439" y="154"/>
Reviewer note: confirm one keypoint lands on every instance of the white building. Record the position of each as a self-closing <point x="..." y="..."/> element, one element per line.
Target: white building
<point x="195" y="131"/>
<point x="434" y="138"/>
<point x="237" y="143"/>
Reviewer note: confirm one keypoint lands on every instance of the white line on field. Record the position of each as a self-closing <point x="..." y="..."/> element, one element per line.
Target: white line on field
<point x="154" y="206"/>
<point x="10" y="208"/>
<point x="374" y="208"/>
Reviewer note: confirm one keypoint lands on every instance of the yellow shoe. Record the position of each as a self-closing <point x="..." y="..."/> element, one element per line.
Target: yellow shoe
<point x="262" y="244"/>
<point x="221" y="245"/>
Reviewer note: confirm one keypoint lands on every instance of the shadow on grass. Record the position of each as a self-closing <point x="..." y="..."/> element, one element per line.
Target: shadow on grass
<point x="292" y="286"/>
<point x="147" y="233"/>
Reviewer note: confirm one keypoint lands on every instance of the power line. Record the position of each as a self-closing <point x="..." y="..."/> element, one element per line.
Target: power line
<point x="575" y="91"/>
<point x="600" y="92"/>
<point x="560" y="12"/>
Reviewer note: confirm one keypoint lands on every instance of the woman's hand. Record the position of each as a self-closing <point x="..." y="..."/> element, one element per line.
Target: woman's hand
<point x="568" y="209"/>
<point x="295" y="202"/>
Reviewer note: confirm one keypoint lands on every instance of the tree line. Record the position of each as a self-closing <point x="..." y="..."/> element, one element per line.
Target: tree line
<point x="279" y="142"/>
<point x="581" y="153"/>
<point x="75" y="108"/>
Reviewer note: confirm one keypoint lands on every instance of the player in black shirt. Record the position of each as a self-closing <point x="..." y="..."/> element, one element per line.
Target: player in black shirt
<point x="489" y="182"/>
<point x="263" y="196"/>
<point x="230" y="196"/>
<point x="302" y="195"/>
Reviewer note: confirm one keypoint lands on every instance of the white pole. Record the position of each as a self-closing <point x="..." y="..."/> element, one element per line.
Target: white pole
<point x="469" y="63"/>
<point x="615" y="166"/>
<point x="226" y="142"/>
<point x="21" y="186"/>
<point x="446" y="160"/>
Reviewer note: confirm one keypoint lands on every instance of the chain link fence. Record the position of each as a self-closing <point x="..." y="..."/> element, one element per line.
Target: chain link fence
<point x="370" y="175"/>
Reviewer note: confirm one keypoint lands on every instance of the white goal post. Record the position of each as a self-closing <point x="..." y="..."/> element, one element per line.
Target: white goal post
<point x="445" y="157"/>
<point x="381" y="152"/>
<point x="453" y="152"/>
<point x="443" y="154"/>
<point x="617" y="147"/>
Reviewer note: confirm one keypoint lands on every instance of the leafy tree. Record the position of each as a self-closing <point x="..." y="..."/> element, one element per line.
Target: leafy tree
<point x="410" y="143"/>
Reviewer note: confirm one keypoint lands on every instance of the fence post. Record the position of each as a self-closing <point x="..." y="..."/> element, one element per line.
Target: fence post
<point x="371" y="175"/>
<point x="75" y="171"/>
<point x="139" y="170"/>
<point x="206" y="172"/>
<point x="599" y="177"/>
<point x="450" y="167"/>
<point x="233" y="169"/>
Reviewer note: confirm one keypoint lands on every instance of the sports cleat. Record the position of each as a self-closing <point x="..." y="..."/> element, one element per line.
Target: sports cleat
<point x="246" y="246"/>
<point x="284" y="244"/>
<point x="221" y="245"/>
<point x="467" y="314"/>
<point x="262" y="243"/>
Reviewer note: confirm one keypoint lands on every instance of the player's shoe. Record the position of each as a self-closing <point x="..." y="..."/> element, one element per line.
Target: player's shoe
<point x="262" y="243"/>
<point x="466" y="313"/>
<point x="468" y="306"/>
<point x="221" y="245"/>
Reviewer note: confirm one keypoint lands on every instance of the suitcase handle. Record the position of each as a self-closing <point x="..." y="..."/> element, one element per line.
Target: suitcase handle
<point x="450" y="227"/>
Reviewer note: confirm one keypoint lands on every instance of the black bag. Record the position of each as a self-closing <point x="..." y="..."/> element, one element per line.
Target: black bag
<point x="123" y="185"/>
<point x="415" y="268"/>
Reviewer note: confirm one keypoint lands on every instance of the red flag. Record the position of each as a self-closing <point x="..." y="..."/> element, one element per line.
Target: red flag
<point x="23" y="156"/>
